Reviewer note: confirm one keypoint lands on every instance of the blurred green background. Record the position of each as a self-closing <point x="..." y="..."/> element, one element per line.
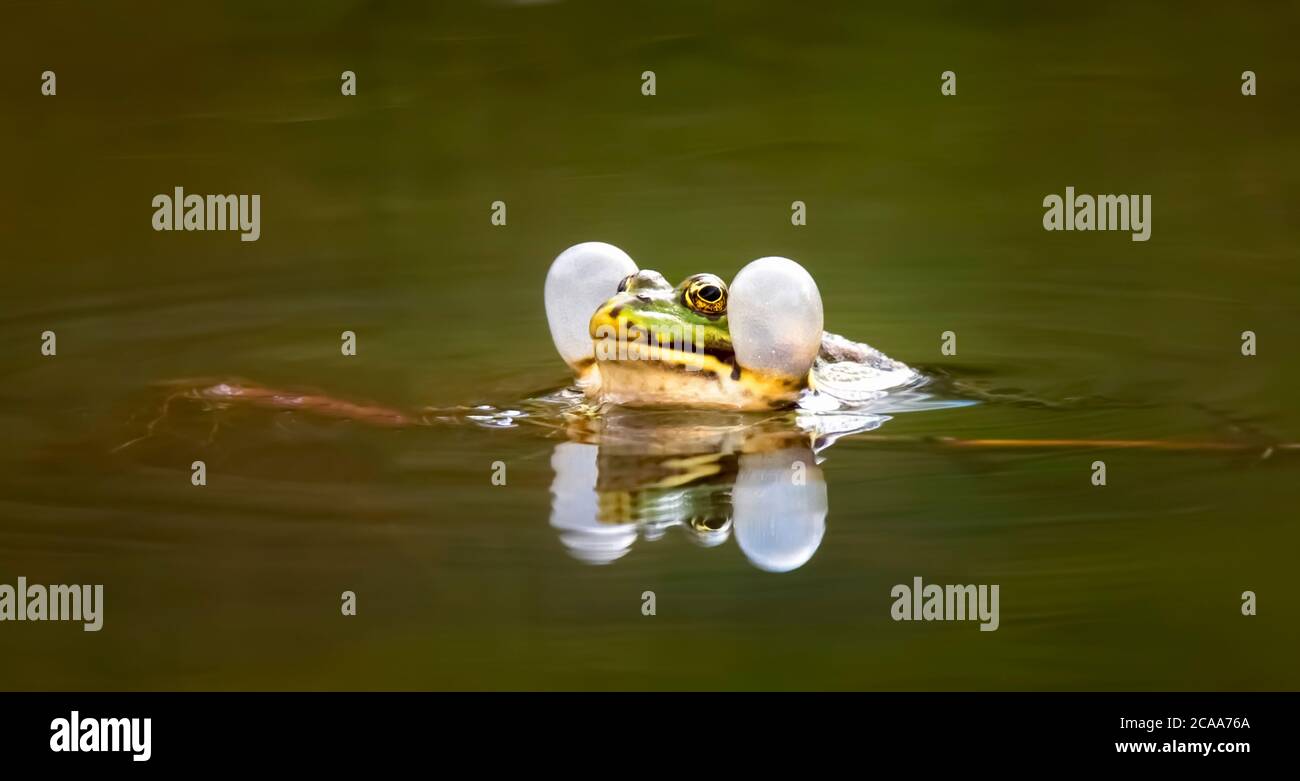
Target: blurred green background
<point x="924" y="215"/>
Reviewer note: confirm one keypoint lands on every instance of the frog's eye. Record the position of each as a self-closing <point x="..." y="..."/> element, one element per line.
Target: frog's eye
<point x="705" y="294"/>
<point x="582" y="278"/>
<point x="775" y="317"/>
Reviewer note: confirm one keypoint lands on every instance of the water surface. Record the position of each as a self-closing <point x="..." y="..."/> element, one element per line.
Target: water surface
<point x="924" y="216"/>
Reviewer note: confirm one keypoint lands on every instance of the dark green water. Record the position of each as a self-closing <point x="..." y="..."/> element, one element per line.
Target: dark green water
<point x="924" y="216"/>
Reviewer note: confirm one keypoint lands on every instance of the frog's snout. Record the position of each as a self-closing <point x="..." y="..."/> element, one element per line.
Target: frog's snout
<point x="644" y="282"/>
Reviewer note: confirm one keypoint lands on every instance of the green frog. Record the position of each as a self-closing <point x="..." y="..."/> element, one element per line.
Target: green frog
<point x="633" y="339"/>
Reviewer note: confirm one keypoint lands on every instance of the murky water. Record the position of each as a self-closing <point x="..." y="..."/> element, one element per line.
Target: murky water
<point x="924" y="216"/>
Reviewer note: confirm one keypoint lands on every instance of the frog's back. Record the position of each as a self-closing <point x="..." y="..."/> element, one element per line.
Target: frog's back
<point x="855" y="373"/>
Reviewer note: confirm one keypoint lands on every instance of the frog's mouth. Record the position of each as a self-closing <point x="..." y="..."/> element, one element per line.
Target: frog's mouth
<point x="613" y="349"/>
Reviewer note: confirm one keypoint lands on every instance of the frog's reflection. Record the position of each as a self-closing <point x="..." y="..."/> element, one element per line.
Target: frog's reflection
<point x="629" y="476"/>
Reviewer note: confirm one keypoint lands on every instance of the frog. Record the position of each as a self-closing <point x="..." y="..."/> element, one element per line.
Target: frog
<point x="633" y="339"/>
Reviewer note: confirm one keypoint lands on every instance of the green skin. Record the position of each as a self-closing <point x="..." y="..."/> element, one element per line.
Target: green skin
<point x="650" y="304"/>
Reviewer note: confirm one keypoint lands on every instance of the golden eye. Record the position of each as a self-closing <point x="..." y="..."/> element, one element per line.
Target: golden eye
<point x="705" y="294"/>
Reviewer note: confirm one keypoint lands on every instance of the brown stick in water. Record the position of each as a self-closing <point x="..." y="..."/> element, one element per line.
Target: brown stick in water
<point x="1101" y="444"/>
<point x="319" y="404"/>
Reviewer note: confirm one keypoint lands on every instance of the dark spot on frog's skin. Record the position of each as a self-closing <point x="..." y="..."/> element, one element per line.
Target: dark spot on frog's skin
<point x="735" y="372"/>
<point x="722" y="356"/>
<point x="613" y="313"/>
<point x="692" y="371"/>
